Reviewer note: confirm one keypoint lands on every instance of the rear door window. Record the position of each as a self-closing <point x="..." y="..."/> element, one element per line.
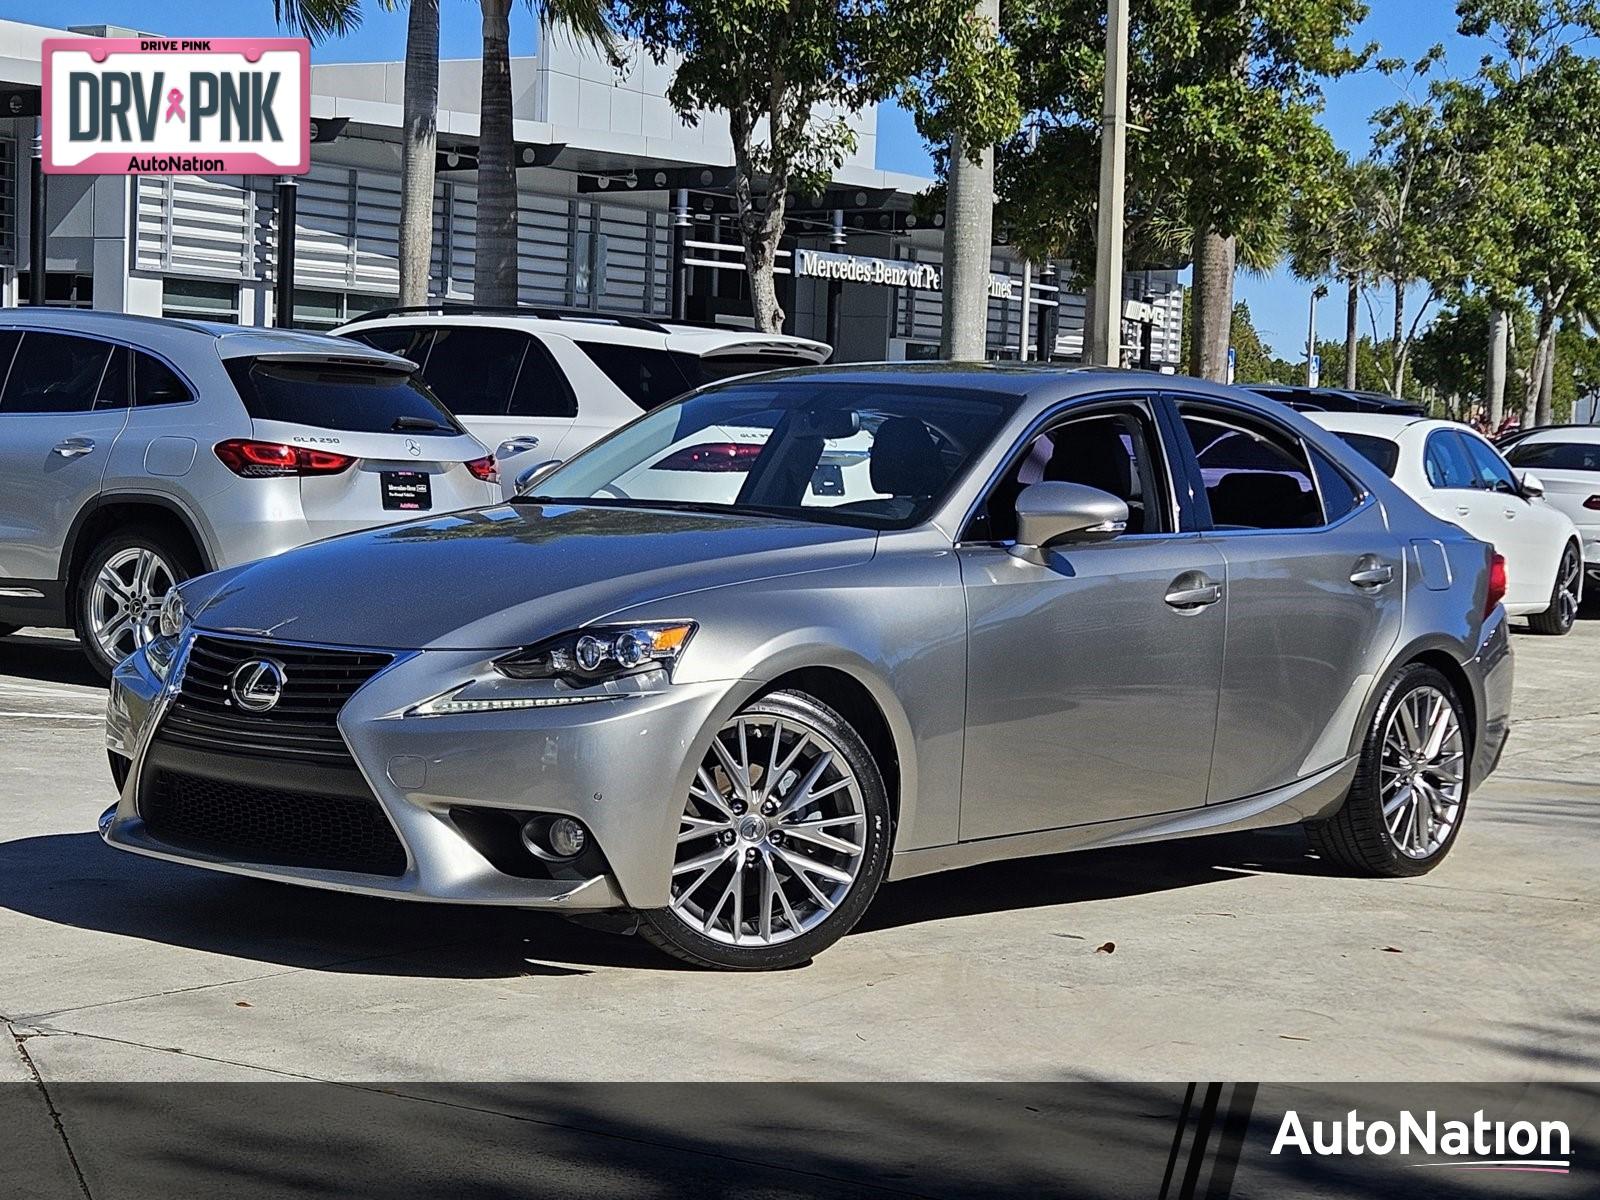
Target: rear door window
<point x="1256" y="475"/>
<point x="473" y="370"/>
<point x="647" y="377"/>
<point x="338" y="396"/>
<point x="542" y="389"/>
<point x="55" y="373"/>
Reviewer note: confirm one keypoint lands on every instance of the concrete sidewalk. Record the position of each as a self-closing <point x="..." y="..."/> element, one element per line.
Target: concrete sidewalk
<point x="1233" y="957"/>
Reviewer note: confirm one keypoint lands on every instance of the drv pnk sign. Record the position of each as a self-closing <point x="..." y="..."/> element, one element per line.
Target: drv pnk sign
<point x="170" y="106"/>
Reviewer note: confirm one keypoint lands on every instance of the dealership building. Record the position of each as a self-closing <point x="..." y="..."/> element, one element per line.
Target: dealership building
<point x="624" y="208"/>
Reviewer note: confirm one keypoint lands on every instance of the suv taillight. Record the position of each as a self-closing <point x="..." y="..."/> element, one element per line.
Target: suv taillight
<point x="1592" y="503"/>
<point x="1497" y="583"/>
<point x="711" y="456"/>
<point x="273" y="460"/>
<point x="485" y="468"/>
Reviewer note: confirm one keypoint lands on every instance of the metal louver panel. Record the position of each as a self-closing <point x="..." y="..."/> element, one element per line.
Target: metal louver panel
<point x="8" y="201"/>
<point x="626" y="282"/>
<point x="544" y="242"/>
<point x="200" y="225"/>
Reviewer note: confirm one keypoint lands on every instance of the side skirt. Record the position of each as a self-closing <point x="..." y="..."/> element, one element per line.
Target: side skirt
<point x="1310" y="799"/>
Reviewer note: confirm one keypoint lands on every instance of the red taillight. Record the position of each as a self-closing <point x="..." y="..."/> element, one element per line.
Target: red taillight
<point x="273" y="460"/>
<point x="1497" y="583"/>
<point x="485" y="468"/>
<point x="1592" y="503"/>
<point x="711" y="456"/>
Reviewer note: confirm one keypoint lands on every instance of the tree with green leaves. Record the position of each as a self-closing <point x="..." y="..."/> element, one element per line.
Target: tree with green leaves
<point x="1223" y="102"/>
<point x="788" y="72"/>
<point x="1540" y="167"/>
<point x="1331" y="238"/>
<point x="318" y="19"/>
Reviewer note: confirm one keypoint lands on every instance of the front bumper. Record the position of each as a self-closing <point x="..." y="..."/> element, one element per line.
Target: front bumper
<point x="621" y="766"/>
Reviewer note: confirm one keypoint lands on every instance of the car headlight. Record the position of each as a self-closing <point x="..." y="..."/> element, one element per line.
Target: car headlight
<point x="174" y="616"/>
<point x="600" y="653"/>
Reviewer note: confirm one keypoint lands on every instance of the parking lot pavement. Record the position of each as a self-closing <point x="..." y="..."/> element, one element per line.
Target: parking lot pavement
<point x="1234" y="957"/>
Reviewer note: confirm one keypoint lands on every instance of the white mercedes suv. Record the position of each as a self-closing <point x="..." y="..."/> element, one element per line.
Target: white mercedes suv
<point x="541" y="384"/>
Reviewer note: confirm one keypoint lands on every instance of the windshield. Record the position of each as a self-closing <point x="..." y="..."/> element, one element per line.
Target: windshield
<point x="1379" y="451"/>
<point x="1556" y="456"/>
<point x="878" y="456"/>
<point x="353" y="399"/>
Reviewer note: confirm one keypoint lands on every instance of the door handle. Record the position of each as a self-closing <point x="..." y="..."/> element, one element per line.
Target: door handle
<point x="1371" y="574"/>
<point x="516" y="445"/>
<point x="1511" y="514"/>
<point x="1193" y="590"/>
<point x="1462" y="510"/>
<point x="75" y="447"/>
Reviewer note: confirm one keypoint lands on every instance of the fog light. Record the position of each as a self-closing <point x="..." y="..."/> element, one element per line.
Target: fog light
<point x="566" y="837"/>
<point x="554" y="839"/>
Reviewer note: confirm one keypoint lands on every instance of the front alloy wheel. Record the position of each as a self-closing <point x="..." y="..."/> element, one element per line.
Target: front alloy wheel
<point x="782" y="841"/>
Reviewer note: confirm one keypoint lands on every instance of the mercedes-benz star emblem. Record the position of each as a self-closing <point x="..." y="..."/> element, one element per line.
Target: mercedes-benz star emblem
<point x="413" y="449"/>
<point x="257" y="685"/>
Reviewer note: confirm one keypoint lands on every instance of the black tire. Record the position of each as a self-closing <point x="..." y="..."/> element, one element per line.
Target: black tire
<point x="177" y="554"/>
<point x="673" y="935"/>
<point x="1357" y="837"/>
<point x="1558" y="619"/>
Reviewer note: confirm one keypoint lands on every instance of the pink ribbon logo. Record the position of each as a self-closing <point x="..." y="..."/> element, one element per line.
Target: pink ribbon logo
<point x="175" y="105"/>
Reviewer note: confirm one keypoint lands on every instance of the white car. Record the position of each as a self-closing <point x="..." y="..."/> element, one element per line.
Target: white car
<point x="541" y="384"/>
<point x="1458" y="475"/>
<point x="1568" y="461"/>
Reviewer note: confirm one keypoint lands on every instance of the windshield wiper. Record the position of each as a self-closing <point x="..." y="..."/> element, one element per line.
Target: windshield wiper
<point x="419" y="424"/>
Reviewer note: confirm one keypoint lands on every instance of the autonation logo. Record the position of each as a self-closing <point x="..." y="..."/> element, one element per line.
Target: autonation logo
<point x="1476" y="1145"/>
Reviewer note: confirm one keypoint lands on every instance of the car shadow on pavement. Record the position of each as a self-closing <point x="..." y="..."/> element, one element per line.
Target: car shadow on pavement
<point x="46" y="660"/>
<point x="74" y="880"/>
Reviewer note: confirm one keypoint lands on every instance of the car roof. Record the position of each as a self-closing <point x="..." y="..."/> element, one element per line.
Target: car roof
<point x="176" y="335"/>
<point x="1587" y="435"/>
<point x="1384" y="425"/>
<point x="582" y="325"/>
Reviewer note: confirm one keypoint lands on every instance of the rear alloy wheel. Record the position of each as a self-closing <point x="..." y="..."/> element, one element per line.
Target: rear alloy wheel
<point x="783" y="840"/>
<point x="1404" y="809"/>
<point x="1565" y="596"/>
<point x="120" y="592"/>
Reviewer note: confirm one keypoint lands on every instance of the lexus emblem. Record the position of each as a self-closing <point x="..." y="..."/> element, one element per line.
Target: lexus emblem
<point x="413" y="449"/>
<point x="257" y="685"/>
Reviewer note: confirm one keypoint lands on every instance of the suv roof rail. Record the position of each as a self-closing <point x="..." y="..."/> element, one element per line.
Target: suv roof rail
<point x="538" y="311"/>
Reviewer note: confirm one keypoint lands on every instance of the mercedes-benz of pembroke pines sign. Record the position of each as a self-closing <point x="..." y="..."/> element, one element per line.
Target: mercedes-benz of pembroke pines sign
<point x="170" y="106"/>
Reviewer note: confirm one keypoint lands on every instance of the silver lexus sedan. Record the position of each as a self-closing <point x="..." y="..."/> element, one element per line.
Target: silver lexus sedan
<point x="790" y="636"/>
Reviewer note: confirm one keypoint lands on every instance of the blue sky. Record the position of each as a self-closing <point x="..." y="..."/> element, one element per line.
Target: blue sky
<point x="1403" y="28"/>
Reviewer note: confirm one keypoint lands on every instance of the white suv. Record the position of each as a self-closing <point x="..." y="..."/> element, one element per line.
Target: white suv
<point x="541" y="384"/>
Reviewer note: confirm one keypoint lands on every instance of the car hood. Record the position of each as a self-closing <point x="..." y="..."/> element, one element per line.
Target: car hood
<point x="501" y="577"/>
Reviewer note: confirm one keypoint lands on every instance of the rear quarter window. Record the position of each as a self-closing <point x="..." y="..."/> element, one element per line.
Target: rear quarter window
<point x="327" y="395"/>
<point x="646" y="376"/>
<point x="1379" y="451"/>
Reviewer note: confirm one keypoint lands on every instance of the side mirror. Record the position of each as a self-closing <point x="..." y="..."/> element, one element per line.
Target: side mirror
<point x="526" y="479"/>
<point x="1531" y="484"/>
<point x="1052" y="513"/>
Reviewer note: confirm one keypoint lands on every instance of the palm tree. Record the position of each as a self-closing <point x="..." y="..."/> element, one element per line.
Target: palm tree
<point x="317" y="19"/>
<point x="495" y="268"/>
<point x="968" y="238"/>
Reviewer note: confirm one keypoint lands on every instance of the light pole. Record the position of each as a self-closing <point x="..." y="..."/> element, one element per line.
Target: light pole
<point x="1317" y="293"/>
<point x="1105" y="337"/>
